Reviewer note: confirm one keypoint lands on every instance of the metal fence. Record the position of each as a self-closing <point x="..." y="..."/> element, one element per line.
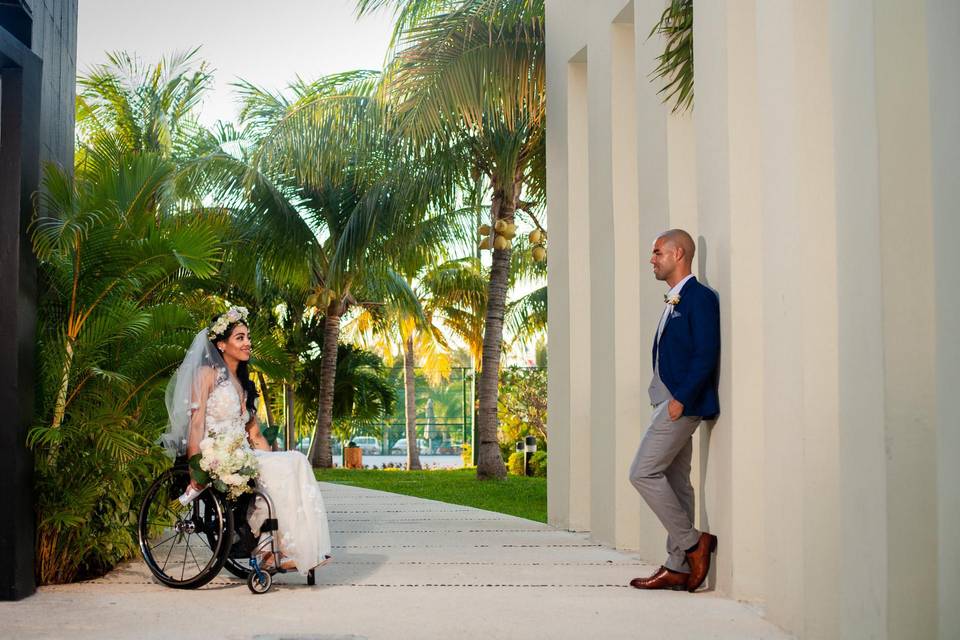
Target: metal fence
<point x="444" y="418"/>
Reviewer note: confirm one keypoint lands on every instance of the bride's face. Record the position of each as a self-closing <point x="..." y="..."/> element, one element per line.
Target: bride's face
<point x="237" y="345"/>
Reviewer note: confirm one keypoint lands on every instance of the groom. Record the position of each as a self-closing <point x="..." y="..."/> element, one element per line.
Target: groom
<point x="686" y="363"/>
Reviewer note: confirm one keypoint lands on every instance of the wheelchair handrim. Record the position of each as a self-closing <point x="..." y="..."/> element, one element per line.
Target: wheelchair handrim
<point x="187" y="536"/>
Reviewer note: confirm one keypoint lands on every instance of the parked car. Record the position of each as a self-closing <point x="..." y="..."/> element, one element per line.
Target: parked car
<point x="304" y="446"/>
<point x="400" y="446"/>
<point x="368" y="444"/>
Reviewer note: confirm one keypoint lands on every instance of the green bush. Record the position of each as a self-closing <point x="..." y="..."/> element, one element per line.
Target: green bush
<point x="515" y="463"/>
<point x="538" y="464"/>
<point x="113" y="325"/>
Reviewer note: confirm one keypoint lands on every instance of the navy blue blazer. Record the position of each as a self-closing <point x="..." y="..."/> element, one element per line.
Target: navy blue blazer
<point x="689" y="351"/>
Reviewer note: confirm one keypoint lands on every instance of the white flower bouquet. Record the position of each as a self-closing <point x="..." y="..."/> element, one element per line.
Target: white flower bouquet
<point x="226" y="463"/>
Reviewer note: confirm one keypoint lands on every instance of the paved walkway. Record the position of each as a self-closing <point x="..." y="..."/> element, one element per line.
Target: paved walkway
<point x="403" y="568"/>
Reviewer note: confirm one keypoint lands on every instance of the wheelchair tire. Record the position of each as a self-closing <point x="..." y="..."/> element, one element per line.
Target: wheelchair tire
<point x="259" y="582"/>
<point x="185" y="547"/>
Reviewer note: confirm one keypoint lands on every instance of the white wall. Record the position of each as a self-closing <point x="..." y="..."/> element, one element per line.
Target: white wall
<point x="818" y="173"/>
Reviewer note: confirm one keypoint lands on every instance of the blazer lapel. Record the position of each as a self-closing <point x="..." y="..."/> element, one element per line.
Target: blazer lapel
<point x="666" y="324"/>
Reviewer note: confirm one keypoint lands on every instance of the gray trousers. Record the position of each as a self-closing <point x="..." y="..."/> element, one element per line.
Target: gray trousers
<point x="661" y="473"/>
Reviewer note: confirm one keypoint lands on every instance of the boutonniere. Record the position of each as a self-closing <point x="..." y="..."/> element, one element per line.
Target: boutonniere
<point x="673" y="300"/>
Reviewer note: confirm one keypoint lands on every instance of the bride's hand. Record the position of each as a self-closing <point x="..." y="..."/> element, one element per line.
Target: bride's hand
<point x="195" y="485"/>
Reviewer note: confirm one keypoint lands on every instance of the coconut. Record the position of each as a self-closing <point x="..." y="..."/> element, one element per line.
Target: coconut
<point x="485" y="244"/>
<point x="501" y="243"/>
<point x="312" y="300"/>
<point x="536" y="236"/>
<point x="539" y="254"/>
<point x="510" y="231"/>
<point x="484" y="229"/>
<point x="500" y="226"/>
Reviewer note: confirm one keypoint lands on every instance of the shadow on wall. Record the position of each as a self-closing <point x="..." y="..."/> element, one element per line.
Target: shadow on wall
<point x="706" y="428"/>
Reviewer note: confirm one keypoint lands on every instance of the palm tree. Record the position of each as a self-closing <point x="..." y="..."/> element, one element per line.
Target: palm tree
<point x="471" y="74"/>
<point x="446" y="293"/>
<point x="675" y="64"/>
<point x="139" y="107"/>
<point x="357" y="197"/>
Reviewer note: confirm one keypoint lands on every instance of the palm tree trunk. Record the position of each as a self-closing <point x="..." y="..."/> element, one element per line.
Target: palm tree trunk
<point x="410" y="395"/>
<point x="320" y="452"/>
<point x="265" y="394"/>
<point x="489" y="461"/>
<point x="290" y="435"/>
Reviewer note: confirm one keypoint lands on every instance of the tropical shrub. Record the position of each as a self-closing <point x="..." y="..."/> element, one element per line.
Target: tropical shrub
<point x="538" y="464"/>
<point x="113" y="325"/>
<point x="522" y="406"/>
<point x="515" y="464"/>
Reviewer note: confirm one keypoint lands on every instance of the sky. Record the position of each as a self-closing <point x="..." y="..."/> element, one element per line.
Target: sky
<point x="268" y="43"/>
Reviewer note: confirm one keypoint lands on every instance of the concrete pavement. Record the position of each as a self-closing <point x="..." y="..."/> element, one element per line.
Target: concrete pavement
<point x="403" y="568"/>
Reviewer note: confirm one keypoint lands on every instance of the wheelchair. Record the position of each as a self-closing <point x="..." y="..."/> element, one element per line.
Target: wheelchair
<point x="186" y="546"/>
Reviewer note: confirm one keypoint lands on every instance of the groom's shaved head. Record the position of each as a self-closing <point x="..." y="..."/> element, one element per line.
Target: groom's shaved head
<point x="680" y="239"/>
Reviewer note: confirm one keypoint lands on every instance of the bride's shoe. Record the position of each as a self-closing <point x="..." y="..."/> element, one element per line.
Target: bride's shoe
<point x="268" y="562"/>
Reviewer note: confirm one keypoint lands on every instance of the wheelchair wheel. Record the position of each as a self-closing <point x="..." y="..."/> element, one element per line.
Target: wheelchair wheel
<point x="184" y="546"/>
<point x="259" y="581"/>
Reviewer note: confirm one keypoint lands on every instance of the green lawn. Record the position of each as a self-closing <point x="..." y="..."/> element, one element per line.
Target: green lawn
<point x="517" y="496"/>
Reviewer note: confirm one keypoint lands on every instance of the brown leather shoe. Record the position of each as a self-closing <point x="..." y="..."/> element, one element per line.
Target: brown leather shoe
<point x="662" y="578"/>
<point x="699" y="561"/>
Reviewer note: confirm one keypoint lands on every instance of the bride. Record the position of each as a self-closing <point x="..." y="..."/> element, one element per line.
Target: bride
<point x="212" y="394"/>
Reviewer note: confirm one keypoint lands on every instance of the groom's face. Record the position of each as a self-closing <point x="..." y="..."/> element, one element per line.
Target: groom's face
<point x="663" y="259"/>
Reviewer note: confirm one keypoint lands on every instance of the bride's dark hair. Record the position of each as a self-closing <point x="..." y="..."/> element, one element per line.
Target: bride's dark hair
<point x="243" y="368"/>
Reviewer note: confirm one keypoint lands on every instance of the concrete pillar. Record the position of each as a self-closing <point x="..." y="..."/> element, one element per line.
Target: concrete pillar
<point x="579" y="232"/>
<point x="906" y="227"/>
<point x="658" y="167"/>
<point x="569" y="328"/>
<point x="943" y="50"/>
<point x="730" y="260"/>
<point x="629" y="363"/>
<point x="799" y="299"/>
<point x="603" y="293"/>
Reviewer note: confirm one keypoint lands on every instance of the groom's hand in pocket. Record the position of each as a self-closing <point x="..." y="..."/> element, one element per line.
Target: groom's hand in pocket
<point x="674" y="409"/>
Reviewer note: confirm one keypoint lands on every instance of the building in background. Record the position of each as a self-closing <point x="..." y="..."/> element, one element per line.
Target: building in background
<point x="818" y="173"/>
<point x="38" y="41"/>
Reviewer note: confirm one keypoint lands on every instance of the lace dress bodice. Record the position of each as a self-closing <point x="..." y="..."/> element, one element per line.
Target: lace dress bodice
<point x="225" y="412"/>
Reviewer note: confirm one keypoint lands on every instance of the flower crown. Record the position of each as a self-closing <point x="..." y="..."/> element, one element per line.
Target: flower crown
<point x="234" y="314"/>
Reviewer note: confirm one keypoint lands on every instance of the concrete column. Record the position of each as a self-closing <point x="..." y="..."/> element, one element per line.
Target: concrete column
<point x="906" y="227"/>
<point x="569" y="340"/>
<point x="943" y="47"/>
<point x="654" y="172"/>
<point x="862" y="443"/>
<point x="558" y="280"/>
<point x="629" y="361"/>
<point x="578" y="232"/>
<point x="603" y="293"/>
<point x="730" y="260"/>
<point x="799" y="315"/>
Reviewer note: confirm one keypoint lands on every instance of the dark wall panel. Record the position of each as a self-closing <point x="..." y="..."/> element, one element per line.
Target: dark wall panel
<point x="37" y="120"/>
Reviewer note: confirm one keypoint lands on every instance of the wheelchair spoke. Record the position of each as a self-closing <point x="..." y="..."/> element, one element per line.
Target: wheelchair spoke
<point x="169" y="551"/>
<point x="171" y="537"/>
<point x="195" y="561"/>
<point x="184" y="566"/>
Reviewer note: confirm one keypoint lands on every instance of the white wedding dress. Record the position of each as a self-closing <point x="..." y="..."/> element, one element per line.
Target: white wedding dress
<point x="285" y="476"/>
